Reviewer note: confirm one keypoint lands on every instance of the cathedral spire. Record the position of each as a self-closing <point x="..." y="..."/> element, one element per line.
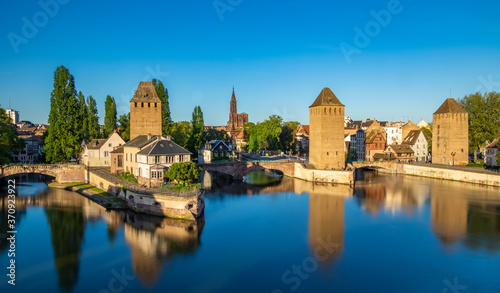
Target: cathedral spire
<point x="233" y="97"/>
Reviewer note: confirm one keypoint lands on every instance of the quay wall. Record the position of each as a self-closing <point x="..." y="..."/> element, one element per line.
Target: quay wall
<point x="445" y="174"/>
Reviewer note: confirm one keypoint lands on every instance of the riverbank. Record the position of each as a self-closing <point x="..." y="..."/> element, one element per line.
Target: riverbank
<point x="96" y="195"/>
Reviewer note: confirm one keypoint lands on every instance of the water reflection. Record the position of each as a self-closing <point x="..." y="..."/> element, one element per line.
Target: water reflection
<point x="152" y="239"/>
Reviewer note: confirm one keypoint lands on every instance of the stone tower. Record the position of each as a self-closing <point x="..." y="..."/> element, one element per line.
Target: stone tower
<point x="145" y="111"/>
<point x="326" y="137"/>
<point x="450" y="134"/>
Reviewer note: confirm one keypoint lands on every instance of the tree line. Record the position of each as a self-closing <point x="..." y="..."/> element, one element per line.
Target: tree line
<point x="271" y="134"/>
<point x="484" y="118"/>
<point x="74" y="118"/>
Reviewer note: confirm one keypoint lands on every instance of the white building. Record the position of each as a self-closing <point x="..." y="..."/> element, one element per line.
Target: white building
<point x="96" y="152"/>
<point x="419" y="144"/>
<point x="490" y="153"/>
<point x="394" y="135"/>
<point x="13" y="114"/>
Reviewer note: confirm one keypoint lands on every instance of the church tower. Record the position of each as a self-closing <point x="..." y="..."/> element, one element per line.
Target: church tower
<point x="326" y="136"/>
<point x="145" y="111"/>
<point x="233" y="113"/>
<point x="450" y="134"/>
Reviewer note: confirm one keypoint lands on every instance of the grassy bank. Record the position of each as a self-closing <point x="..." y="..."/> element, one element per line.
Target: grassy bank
<point x="97" y="195"/>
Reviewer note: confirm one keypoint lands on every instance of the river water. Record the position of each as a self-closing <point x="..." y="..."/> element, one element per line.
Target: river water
<point x="388" y="234"/>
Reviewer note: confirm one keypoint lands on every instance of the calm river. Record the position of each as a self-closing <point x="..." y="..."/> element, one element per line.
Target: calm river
<point x="388" y="234"/>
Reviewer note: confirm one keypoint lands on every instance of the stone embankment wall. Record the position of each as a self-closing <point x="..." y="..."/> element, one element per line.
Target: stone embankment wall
<point x="449" y="174"/>
<point x="328" y="176"/>
<point x="187" y="208"/>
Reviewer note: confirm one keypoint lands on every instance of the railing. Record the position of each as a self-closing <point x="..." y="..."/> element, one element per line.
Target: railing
<point x="138" y="189"/>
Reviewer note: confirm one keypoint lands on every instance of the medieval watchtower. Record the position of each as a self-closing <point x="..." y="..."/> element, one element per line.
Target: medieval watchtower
<point x="326" y="138"/>
<point x="145" y="111"/>
<point x="450" y="134"/>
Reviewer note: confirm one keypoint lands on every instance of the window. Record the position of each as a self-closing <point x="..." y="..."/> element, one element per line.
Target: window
<point x="126" y="157"/>
<point x="109" y="144"/>
<point x="153" y="174"/>
<point x="220" y="148"/>
<point x="157" y="159"/>
<point x="91" y="154"/>
<point x="135" y="104"/>
<point x="149" y="105"/>
<point x="155" y="105"/>
<point x="106" y="154"/>
<point x="142" y="105"/>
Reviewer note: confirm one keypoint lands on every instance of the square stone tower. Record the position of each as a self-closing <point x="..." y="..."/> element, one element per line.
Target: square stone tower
<point x="326" y="137"/>
<point x="450" y="134"/>
<point x="145" y="111"/>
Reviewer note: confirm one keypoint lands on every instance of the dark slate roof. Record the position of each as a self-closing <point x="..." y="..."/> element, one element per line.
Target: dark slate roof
<point x="402" y="148"/>
<point x="326" y="98"/>
<point x="213" y="144"/>
<point x="164" y="147"/>
<point x="140" y="141"/>
<point x="412" y="137"/>
<point x="450" y="106"/>
<point x="95" y="144"/>
<point x="146" y="93"/>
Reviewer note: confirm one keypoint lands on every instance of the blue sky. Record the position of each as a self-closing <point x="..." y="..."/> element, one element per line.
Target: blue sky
<point x="278" y="54"/>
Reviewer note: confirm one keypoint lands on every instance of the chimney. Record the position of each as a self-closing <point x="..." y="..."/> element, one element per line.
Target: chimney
<point x="149" y="136"/>
<point x="168" y="137"/>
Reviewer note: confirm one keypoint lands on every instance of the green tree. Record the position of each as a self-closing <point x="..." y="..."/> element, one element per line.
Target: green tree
<point x="64" y="139"/>
<point x="213" y="134"/>
<point x="110" y="115"/>
<point x="93" y="118"/>
<point x="287" y="136"/>
<point x="183" y="172"/>
<point x="484" y="118"/>
<point x="124" y="122"/>
<point x="83" y="118"/>
<point x="197" y="126"/>
<point x="166" y="116"/>
<point x="9" y="139"/>
<point x="428" y="136"/>
<point x="265" y="134"/>
<point x="181" y="132"/>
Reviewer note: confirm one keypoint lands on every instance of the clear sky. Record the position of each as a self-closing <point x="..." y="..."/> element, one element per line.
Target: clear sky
<point x="384" y="59"/>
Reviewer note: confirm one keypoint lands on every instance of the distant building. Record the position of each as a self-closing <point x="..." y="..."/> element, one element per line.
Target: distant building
<point x="236" y="121"/>
<point x="213" y="150"/>
<point x="32" y="151"/>
<point x="326" y="140"/>
<point x="360" y="145"/>
<point x="96" y="152"/>
<point x="145" y="111"/>
<point x="450" y="134"/>
<point x="490" y="153"/>
<point x="13" y="115"/>
<point x="419" y="144"/>
<point x="401" y="152"/>
<point x="375" y="144"/>
<point x="409" y="127"/>
<point x="394" y="134"/>
<point x="302" y="139"/>
<point x="423" y="125"/>
<point x="352" y="146"/>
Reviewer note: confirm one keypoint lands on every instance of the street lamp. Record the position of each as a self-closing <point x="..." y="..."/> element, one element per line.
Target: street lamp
<point x="453" y="155"/>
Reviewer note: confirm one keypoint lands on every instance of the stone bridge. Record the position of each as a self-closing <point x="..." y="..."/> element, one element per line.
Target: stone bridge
<point x="388" y="166"/>
<point x="62" y="173"/>
<point x="239" y="169"/>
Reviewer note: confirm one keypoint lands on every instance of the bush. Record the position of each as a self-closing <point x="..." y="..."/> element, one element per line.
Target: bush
<point x="183" y="172"/>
